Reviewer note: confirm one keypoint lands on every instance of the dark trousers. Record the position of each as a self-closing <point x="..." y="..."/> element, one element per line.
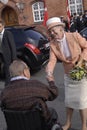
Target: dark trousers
<point x="7" y="75"/>
<point x="1" y="67"/>
<point x="53" y="118"/>
<point x="4" y="70"/>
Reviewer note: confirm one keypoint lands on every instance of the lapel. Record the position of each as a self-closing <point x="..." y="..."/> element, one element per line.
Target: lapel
<point x="55" y="46"/>
<point x="4" y="35"/>
<point x="72" y="43"/>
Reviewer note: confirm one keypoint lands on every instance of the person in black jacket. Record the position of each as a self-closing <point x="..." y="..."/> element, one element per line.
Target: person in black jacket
<point x="7" y="49"/>
<point x="80" y="22"/>
<point x="85" y="18"/>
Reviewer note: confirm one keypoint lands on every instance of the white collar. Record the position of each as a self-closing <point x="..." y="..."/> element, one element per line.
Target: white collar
<point x="2" y="31"/>
<point x="19" y="77"/>
<point x="62" y="39"/>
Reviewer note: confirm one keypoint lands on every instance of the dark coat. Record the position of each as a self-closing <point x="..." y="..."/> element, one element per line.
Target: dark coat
<point x="9" y="52"/>
<point x="8" y="47"/>
<point x="25" y="94"/>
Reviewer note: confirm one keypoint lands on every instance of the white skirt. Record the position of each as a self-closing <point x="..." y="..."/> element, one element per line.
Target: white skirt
<point x="75" y="93"/>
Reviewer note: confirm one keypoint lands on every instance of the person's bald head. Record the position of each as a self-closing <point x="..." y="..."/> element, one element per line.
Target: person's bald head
<point x="19" y="68"/>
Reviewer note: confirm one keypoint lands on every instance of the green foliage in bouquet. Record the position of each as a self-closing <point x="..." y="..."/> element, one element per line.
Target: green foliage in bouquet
<point x="78" y="73"/>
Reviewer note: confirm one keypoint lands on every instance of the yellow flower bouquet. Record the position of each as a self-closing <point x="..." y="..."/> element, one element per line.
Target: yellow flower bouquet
<point x="78" y="73"/>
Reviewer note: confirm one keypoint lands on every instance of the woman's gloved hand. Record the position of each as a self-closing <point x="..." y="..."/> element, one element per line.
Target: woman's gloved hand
<point x="51" y="83"/>
<point x="50" y="76"/>
<point x="79" y="63"/>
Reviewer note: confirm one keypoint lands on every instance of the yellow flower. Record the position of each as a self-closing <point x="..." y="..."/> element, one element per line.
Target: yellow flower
<point x="77" y="73"/>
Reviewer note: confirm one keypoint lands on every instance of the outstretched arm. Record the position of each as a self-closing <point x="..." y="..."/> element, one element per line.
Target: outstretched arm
<point x="50" y="66"/>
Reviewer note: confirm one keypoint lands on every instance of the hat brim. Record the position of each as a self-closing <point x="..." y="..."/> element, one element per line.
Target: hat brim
<point x="55" y="24"/>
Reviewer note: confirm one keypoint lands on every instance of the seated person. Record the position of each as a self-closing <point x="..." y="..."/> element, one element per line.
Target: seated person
<point x="23" y="93"/>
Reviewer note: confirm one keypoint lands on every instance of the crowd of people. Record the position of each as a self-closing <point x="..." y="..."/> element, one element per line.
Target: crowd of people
<point x="77" y="22"/>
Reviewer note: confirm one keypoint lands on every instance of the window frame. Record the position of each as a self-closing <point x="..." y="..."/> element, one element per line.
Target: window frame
<point x="75" y="5"/>
<point x="39" y="12"/>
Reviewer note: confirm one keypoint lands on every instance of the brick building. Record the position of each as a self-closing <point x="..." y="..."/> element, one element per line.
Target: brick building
<point x="29" y="12"/>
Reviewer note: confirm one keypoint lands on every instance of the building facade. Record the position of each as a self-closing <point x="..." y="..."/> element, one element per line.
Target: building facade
<point x="28" y="12"/>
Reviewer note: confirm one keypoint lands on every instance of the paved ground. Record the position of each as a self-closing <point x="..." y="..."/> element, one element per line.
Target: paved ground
<point x="58" y="104"/>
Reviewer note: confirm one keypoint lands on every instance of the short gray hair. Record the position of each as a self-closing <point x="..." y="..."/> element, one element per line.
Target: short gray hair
<point x="17" y="67"/>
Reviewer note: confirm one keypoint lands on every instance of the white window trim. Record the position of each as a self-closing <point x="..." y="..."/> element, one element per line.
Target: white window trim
<point x="75" y="5"/>
<point x="40" y="20"/>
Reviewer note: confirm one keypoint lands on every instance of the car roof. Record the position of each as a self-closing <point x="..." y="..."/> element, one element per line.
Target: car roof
<point x="24" y="27"/>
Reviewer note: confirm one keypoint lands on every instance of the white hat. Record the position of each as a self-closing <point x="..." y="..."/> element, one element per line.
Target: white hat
<point x="54" y="22"/>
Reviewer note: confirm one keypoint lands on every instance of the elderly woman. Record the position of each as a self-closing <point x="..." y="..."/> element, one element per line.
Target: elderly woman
<point x="71" y="49"/>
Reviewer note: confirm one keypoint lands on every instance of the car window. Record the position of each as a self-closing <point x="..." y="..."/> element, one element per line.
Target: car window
<point x="34" y="34"/>
<point x="19" y="37"/>
<point x="34" y="37"/>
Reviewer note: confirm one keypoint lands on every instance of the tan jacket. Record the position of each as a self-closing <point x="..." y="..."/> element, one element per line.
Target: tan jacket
<point x="77" y="46"/>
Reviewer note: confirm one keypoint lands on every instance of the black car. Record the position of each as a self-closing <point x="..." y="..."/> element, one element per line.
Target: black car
<point x="84" y="33"/>
<point x="32" y="46"/>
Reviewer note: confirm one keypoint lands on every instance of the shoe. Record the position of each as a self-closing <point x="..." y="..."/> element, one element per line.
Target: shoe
<point x="56" y="127"/>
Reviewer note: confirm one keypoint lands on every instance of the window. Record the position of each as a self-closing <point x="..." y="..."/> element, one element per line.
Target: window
<point x="75" y="6"/>
<point x="38" y="11"/>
